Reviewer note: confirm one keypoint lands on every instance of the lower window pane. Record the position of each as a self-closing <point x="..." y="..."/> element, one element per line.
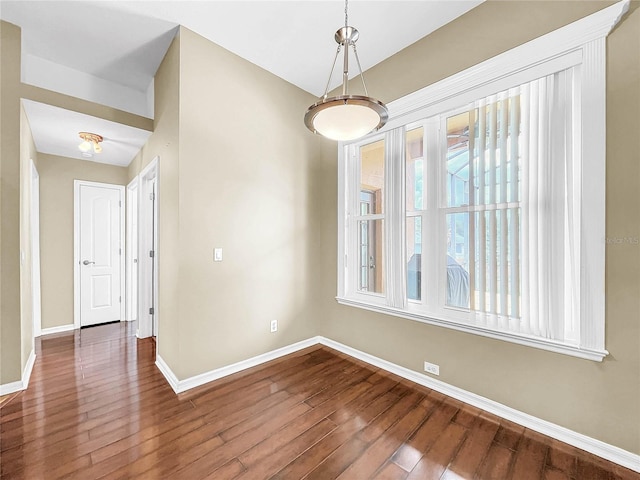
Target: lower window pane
<point x="371" y="256"/>
<point x="458" y="284"/>
<point x="414" y="258"/>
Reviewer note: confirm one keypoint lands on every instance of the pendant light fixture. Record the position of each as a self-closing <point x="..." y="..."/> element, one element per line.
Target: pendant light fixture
<point x="346" y="117"/>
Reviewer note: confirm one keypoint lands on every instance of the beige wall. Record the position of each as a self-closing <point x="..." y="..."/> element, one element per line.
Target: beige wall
<point x="56" y="229"/>
<point x="10" y="328"/>
<point x="247" y="185"/>
<point x="236" y="171"/>
<point x="596" y="399"/>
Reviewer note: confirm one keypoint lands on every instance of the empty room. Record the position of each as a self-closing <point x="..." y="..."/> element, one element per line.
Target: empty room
<point x="360" y="239"/>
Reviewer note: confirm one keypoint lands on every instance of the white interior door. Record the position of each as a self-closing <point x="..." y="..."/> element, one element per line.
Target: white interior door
<point x="100" y="253"/>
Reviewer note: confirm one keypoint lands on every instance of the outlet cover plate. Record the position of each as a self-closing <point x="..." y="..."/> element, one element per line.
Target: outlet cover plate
<point x="432" y="368"/>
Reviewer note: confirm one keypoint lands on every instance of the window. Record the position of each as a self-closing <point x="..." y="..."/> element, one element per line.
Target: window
<point x="467" y="210"/>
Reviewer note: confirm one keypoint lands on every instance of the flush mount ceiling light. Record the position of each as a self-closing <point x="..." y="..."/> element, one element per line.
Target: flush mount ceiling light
<point x="346" y="117"/>
<point x="90" y="140"/>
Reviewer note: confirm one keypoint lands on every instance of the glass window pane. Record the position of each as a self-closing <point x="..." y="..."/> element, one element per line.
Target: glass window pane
<point x="414" y="257"/>
<point x="371" y="257"/>
<point x="458" y="160"/>
<point x="372" y="176"/>
<point x="458" y="285"/>
<point x="415" y="170"/>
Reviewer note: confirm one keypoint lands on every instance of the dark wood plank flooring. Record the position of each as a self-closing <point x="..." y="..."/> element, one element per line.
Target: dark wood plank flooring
<point x="97" y="407"/>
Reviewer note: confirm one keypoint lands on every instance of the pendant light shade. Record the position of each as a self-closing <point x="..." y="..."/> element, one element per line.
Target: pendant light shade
<point x="346" y="117"/>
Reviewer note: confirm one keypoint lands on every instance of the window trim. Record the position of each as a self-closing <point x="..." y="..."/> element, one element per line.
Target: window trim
<point x="580" y="43"/>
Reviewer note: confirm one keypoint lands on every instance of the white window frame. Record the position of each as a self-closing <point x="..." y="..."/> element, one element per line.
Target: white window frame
<point x="581" y="44"/>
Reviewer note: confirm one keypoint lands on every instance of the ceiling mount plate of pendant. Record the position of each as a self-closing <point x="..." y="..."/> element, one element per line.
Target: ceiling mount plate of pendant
<point x="346" y="117"/>
<point x="347" y="34"/>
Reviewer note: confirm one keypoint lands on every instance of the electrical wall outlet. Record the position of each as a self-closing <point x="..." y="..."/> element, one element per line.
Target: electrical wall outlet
<point x="432" y="368"/>
<point x="274" y="326"/>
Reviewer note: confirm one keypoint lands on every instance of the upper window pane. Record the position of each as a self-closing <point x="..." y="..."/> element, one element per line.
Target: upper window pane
<point x="493" y="176"/>
<point x="415" y="169"/>
<point x="372" y="178"/>
<point x="458" y="160"/>
<point x="497" y="146"/>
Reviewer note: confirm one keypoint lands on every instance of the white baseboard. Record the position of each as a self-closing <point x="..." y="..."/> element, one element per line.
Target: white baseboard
<point x="60" y="329"/>
<point x="12" y="387"/>
<point x="168" y="373"/>
<point x="180" y="386"/>
<point x="22" y="384"/>
<point x="597" y="447"/>
<point x="28" y="368"/>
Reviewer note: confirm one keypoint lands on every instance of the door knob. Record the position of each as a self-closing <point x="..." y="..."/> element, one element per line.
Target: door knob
<point x="87" y="262"/>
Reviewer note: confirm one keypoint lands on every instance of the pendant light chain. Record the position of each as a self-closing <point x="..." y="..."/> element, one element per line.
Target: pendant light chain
<point x="346" y="15"/>
<point x="355" y="52"/>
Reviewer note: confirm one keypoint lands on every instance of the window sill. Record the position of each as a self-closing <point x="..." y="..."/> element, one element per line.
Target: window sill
<point x="535" y="342"/>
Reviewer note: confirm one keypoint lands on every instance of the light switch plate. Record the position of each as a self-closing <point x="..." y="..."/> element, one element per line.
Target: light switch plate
<point x="217" y="254"/>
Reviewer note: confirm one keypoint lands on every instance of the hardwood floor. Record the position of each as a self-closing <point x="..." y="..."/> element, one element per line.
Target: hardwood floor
<point x="97" y="407"/>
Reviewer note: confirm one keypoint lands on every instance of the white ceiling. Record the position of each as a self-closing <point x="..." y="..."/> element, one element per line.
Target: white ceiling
<point x="55" y="131"/>
<point x="124" y="41"/>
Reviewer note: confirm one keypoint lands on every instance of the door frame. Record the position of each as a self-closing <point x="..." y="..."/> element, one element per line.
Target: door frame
<point x="76" y="246"/>
<point x="132" y="253"/>
<point x="147" y="273"/>
<point x="36" y="297"/>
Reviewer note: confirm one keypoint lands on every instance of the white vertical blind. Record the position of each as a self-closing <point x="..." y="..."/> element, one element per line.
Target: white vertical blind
<point x="395" y="230"/>
<point x="514" y="220"/>
<point x="481" y="230"/>
<point x="546" y="178"/>
<point x="494" y="225"/>
<point x="522" y="257"/>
